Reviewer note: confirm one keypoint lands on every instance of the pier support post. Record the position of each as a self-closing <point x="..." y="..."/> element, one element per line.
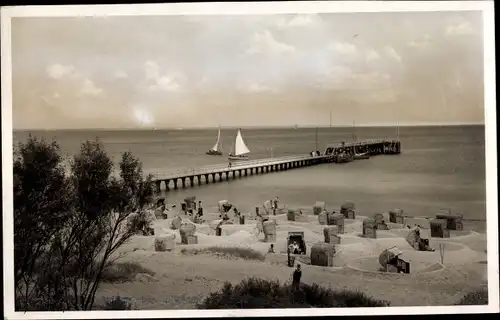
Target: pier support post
<point x="191" y="181"/>
<point x="183" y="180"/>
<point x="175" y="183"/>
<point x="158" y="186"/>
<point x="167" y="183"/>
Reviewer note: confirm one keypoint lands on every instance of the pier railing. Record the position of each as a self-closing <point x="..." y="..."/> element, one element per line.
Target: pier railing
<point x="208" y="169"/>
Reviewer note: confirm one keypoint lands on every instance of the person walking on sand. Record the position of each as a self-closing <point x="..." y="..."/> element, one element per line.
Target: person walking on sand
<point x="271" y="249"/>
<point x="297" y="274"/>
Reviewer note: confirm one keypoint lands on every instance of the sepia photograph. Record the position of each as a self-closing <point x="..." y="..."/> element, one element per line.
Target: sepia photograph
<point x="191" y="159"/>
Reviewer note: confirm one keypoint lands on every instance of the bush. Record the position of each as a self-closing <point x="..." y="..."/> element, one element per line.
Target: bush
<point x="118" y="303"/>
<point x="475" y="298"/>
<point x="125" y="271"/>
<point x="243" y="253"/>
<point x="66" y="227"/>
<point x="254" y="293"/>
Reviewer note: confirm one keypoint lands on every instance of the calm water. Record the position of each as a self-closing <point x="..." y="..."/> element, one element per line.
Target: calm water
<point x="440" y="167"/>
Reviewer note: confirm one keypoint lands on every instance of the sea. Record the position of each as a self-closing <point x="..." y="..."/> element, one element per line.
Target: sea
<point x="440" y="168"/>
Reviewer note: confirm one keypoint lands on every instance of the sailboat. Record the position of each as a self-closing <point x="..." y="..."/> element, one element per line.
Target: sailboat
<point x="216" y="149"/>
<point x="240" y="148"/>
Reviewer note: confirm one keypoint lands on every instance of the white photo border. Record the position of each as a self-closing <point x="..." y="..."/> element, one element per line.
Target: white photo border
<point x="252" y="8"/>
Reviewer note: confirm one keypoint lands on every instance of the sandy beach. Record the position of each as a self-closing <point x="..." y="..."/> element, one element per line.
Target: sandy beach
<point x="183" y="276"/>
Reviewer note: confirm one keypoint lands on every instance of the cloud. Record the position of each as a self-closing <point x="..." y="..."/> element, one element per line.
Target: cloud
<point x="383" y="96"/>
<point x="158" y="82"/>
<point x="421" y="43"/>
<point x="58" y="71"/>
<point x="254" y="87"/>
<point x="152" y="70"/>
<point x="461" y="28"/>
<point x="68" y="74"/>
<point x="302" y="20"/>
<point x="391" y="52"/>
<point x="265" y="43"/>
<point x="165" y="83"/>
<point x="120" y="75"/>
<point x="343" y="78"/>
<point x="204" y="84"/>
<point x="90" y="89"/>
<point x="336" y="77"/>
<point x="344" y="48"/>
<point x="372" y="55"/>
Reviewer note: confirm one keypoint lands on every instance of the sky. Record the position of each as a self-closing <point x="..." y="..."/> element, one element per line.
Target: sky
<point x="187" y="71"/>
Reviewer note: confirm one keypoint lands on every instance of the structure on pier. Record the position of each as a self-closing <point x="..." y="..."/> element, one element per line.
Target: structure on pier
<point x="373" y="147"/>
<point x="215" y="173"/>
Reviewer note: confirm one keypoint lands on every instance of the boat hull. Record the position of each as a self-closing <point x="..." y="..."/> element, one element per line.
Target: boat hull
<point x="364" y="157"/>
<point x="343" y="158"/>
<point x="233" y="157"/>
<point x="214" y="153"/>
<point x="361" y="156"/>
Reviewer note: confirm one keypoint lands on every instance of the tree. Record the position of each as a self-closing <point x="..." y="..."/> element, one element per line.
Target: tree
<point x="94" y="222"/>
<point x="41" y="208"/>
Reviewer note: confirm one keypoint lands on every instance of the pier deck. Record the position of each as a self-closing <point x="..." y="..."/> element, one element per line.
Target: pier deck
<point x="213" y="173"/>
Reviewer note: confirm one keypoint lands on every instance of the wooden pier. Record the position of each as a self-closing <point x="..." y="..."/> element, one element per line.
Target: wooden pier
<point x="221" y="172"/>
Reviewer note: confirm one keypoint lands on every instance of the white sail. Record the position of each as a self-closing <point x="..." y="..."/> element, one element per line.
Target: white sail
<point x="216" y="146"/>
<point x="240" y="148"/>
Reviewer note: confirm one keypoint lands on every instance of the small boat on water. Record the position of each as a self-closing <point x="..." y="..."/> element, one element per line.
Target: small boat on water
<point x="361" y="156"/>
<point x="343" y="157"/>
<point x="216" y="149"/>
<point x="240" y="148"/>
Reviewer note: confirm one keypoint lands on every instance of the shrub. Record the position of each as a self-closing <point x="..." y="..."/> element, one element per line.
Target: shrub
<point x="259" y="293"/>
<point x="125" y="271"/>
<point x="66" y="228"/>
<point x="118" y="303"/>
<point x="243" y="253"/>
<point x="479" y="297"/>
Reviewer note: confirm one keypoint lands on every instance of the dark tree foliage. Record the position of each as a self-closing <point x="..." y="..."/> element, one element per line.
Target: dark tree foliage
<point x="42" y="206"/>
<point x="69" y="226"/>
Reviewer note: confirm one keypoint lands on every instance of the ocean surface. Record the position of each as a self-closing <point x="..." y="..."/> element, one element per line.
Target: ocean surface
<point x="440" y="167"/>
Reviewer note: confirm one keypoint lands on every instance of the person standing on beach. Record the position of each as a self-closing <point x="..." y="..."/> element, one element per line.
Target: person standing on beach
<point x="200" y="209"/>
<point x="297" y="274"/>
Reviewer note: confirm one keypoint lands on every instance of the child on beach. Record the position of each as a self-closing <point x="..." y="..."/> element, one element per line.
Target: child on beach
<point x="271" y="249"/>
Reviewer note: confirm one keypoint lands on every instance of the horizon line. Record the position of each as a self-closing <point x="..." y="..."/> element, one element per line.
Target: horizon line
<point x="151" y="128"/>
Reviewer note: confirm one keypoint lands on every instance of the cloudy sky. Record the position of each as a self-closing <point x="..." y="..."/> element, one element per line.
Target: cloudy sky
<point x="182" y="71"/>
